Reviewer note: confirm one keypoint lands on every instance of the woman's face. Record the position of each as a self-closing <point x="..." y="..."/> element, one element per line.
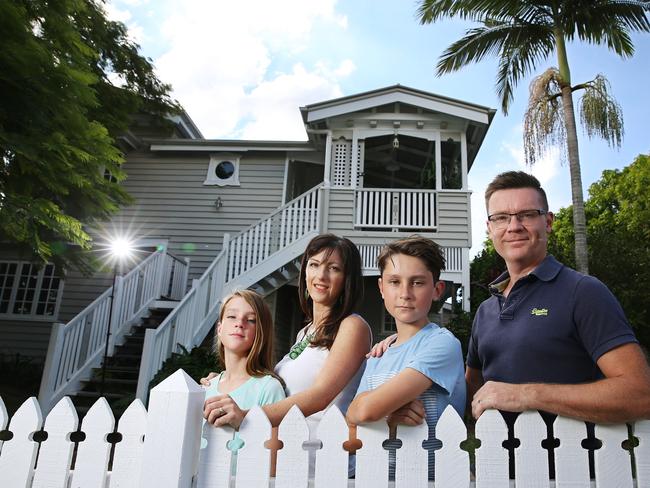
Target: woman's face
<point x="238" y="326"/>
<point x="325" y="277"/>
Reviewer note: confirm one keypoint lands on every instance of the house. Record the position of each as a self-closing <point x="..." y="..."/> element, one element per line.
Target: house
<point x="214" y="215"/>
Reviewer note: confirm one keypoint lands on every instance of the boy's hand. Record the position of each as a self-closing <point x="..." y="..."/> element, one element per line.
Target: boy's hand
<point x="379" y="349"/>
<point x="206" y="381"/>
<point x="412" y="414"/>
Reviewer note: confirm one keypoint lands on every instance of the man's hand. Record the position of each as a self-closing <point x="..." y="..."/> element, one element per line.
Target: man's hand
<point x="379" y="349"/>
<point x="500" y="396"/>
<point x="410" y="414"/>
<point x="222" y="410"/>
<point x="206" y="381"/>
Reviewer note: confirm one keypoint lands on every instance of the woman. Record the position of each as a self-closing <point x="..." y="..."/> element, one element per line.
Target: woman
<point x="324" y="366"/>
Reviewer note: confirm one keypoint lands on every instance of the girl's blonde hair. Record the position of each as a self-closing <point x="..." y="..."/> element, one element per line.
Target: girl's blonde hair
<point x="261" y="360"/>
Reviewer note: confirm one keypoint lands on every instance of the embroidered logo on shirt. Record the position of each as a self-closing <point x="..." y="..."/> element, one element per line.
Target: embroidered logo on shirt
<point x="539" y="312"/>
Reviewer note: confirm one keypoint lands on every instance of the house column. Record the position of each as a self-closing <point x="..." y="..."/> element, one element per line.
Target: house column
<point x="438" y="153"/>
<point x="354" y="176"/>
<point x="465" y="278"/>
<point x="328" y="159"/>
<point x="463" y="160"/>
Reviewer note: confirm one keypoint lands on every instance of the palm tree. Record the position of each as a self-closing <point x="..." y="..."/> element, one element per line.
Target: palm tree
<point x="523" y="33"/>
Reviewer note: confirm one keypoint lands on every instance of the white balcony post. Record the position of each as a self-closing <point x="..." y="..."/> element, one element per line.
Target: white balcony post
<point x="172" y="441"/>
<point x="144" y="374"/>
<point x="328" y="159"/>
<point x="52" y="363"/>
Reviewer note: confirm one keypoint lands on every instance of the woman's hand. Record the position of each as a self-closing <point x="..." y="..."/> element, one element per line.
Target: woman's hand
<point x="206" y="381"/>
<point x="222" y="410"/>
<point x="379" y="349"/>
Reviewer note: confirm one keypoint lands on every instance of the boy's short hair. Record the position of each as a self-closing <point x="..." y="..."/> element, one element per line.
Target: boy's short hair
<point x="514" y="180"/>
<point x="418" y="247"/>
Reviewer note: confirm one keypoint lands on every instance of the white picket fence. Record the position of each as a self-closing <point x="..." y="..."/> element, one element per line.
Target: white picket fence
<point x="160" y="449"/>
<point x="77" y="347"/>
<point x="264" y="247"/>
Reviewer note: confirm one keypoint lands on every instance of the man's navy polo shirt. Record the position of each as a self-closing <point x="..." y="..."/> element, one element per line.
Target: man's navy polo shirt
<point x="551" y="328"/>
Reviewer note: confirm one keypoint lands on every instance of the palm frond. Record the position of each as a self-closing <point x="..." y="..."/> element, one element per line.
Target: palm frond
<point x="430" y="11"/>
<point x="600" y="114"/>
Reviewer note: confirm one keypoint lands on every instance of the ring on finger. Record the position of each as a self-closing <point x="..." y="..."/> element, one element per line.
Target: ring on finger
<point x="222" y="412"/>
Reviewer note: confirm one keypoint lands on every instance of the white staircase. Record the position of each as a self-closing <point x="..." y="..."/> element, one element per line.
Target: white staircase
<point x="262" y="257"/>
<point x="253" y="258"/>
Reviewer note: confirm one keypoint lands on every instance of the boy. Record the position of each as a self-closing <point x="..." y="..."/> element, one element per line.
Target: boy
<point x="422" y="371"/>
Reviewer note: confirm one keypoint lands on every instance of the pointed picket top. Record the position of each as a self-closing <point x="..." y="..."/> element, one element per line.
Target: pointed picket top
<point x="127" y="459"/>
<point x="93" y="453"/>
<point x="642" y="452"/>
<point x="531" y="459"/>
<point x="571" y="459"/>
<point x="179" y="381"/>
<point x="55" y="454"/>
<point x="412" y="460"/>
<point x="612" y="463"/>
<point x="491" y="457"/>
<point x="452" y="463"/>
<point x="215" y="459"/>
<point x="372" y="458"/>
<point x="332" y="459"/>
<point x="293" y="461"/>
<point x="19" y="454"/>
<point x="253" y="459"/>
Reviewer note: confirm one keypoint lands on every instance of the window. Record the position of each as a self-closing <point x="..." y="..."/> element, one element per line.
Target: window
<point x="388" y="323"/>
<point x="223" y="170"/>
<point x="27" y="291"/>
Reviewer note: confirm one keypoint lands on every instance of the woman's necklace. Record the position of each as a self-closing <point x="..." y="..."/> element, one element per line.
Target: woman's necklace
<point x="298" y="348"/>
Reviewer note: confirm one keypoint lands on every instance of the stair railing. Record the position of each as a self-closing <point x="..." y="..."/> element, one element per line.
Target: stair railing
<point x="188" y="324"/>
<point x="77" y="347"/>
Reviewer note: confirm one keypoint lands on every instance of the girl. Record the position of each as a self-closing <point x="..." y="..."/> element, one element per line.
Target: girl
<point x="245" y="349"/>
<point x="325" y="364"/>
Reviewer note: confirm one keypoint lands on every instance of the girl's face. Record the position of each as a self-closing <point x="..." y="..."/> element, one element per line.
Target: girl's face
<point x="325" y="277"/>
<point x="238" y="327"/>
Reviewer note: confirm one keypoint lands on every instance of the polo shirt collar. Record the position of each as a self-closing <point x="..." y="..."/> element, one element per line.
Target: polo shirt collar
<point x="547" y="270"/>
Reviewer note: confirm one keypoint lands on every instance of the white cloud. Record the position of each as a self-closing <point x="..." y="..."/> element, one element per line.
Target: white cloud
<point x="224" y="62"/>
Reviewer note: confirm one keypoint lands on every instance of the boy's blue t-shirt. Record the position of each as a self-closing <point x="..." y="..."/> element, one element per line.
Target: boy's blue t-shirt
<point x="436" y="353"/>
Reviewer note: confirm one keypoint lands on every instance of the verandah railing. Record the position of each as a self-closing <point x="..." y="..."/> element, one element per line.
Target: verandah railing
<point x="188" y="324"/>
<point x="395" y="209"/>
<point x="369" y="253"/>
<point x="78" y="346"/>
<point x="160" y="448"/>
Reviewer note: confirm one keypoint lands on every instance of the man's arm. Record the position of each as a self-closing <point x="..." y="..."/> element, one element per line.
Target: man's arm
<point x="474" y="381"/>
<point x="623" y="395"/>
<point x="397" y="392"/>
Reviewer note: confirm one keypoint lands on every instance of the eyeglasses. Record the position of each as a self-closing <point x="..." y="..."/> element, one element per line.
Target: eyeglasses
<point x="525" y="217"/>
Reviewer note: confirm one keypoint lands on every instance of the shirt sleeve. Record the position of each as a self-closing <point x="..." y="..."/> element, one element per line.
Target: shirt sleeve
<point x="363" y="384"/>
<point x="599" y="318"/>
<point x="439" y="358"/>
<point x="271" y="392"/>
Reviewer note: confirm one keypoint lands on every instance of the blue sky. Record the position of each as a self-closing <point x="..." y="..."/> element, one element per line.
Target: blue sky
<point x="242" y="69"/>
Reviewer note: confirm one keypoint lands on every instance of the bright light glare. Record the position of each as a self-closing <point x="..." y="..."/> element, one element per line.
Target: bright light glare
<point x="121" y="248"/>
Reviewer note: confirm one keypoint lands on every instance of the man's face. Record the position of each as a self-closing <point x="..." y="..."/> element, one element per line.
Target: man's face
<point x="519" y="243"/>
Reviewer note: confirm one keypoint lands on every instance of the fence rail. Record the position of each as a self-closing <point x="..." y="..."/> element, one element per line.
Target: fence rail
<point x="396" y="209"/>
<point x="160" y="448"/>
<point x="78" y="346"/>
<point x="188" y="324"/>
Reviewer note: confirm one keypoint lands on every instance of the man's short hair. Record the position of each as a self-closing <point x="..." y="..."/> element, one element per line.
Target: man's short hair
<point x="515" y="179"/>
<point x="418" y="247"/>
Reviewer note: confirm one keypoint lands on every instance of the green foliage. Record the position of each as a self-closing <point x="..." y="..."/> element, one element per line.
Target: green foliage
<point x="618" y="227"/>
<point x="484" y="269"/>
<point x="59" y="116"/>
<point x="197" y="363"/>
<point x="461" y="326"/>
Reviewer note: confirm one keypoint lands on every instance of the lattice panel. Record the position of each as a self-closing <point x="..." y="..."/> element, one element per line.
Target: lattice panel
<point x="341" y="156"/>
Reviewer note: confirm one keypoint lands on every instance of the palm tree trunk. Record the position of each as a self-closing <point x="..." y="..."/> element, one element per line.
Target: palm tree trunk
<point x="579" y="220"/>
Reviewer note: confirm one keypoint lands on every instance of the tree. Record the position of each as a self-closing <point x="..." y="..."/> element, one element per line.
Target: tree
<point x="70" y="83"/>
<point x="523" y="33"/>
<point x="618" y="227"/>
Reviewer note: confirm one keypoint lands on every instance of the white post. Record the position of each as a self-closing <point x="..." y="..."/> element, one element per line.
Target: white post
<point x="144" y="375"/>
<point x="173" y="438"/>
<point x="52" y="361"/>
<point x="328" y="159"/>
<point x="117" y="316"/>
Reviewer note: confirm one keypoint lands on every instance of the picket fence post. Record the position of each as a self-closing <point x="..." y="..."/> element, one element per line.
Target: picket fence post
<point x="172" y="439"/>
<point x="17" y="457"/>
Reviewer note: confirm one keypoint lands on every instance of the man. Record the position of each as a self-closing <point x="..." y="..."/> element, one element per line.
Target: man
<point x="549" y="338"/>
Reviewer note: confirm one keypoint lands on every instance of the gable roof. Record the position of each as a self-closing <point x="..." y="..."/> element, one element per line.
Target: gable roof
<point x="394" y="94"/>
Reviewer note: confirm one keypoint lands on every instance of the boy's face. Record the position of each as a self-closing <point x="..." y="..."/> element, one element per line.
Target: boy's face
<point x="408" y="289"/>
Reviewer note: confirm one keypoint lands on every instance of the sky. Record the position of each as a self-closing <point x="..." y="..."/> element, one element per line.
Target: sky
<point x="242" y="70"/>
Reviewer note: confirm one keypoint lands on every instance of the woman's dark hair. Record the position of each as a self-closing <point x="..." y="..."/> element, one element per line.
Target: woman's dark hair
<point x="352" y="286"/>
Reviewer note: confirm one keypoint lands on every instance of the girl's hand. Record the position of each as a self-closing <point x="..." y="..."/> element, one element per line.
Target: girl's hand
<point x="379" y="349"/>
<point x="206" y="381"/>
<point x="222" y="410"/>
<point x="412" y="414"/>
